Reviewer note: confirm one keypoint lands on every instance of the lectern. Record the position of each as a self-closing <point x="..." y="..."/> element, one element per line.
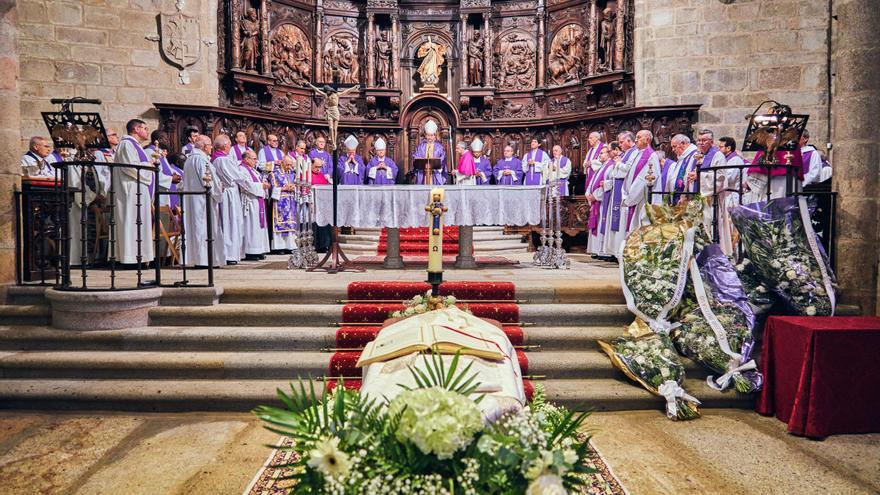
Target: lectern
<point x="427" y="165"/>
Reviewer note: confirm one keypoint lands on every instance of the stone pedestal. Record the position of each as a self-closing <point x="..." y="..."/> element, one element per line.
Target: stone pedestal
<point x="104" y="310"/>
<point x="393" y="259"/>
<point x="465" y="258"/>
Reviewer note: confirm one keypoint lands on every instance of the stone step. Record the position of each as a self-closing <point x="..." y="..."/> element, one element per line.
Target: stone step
<point x="25" y="314"/>
<point x="25" y="294"/>
<point x="486" y="246"/>
<point x="605" y="394"/>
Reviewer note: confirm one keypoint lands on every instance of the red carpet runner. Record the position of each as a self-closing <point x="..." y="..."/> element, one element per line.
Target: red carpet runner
<point x="414" y="241"/>
<point x="501" y="308"/>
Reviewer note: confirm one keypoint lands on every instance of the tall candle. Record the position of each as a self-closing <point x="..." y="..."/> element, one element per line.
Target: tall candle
<point x="435" y="211"/>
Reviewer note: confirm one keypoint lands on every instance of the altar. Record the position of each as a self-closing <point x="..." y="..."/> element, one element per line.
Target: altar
<point x="396" y="206"/>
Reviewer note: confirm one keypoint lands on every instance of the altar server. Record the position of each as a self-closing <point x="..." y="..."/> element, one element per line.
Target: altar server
<point x="635" y="187"/>
<point x="284" y="207"/>
<point x="533" y="164"/>
<point x="465" y="172"/>
<point x="482" y="164"/>
<point x="508" y="169"/>
<point x="596" y="146"/>
<point x="559" y="168"/>
<point x="350" y="167"/>
<point x="198" y="173"/>
<point x="381" y="169"/>
<point x="35" y="162"/>
<point x="431" y="148"/>
<point x="254" y="190"/>
<point x="229" y="176"/>
<point x="615" y="229"/>
<point x="132" y="205"/>
<point x="240" y="145"/>
<point x="320" y="152"/>
<point x="812" y="160"/>
<point x="677" y="177"/>
<point x="596" y="196"/>
<point x="169" y="174"/>
<point x="270" y="155"/>
<point x="190" y="133"/>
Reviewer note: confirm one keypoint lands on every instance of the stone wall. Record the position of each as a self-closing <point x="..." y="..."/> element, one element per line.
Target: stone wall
<point x="10" y="136"/>
<point x="731" y="57"/>
<point x="99" y="49"/>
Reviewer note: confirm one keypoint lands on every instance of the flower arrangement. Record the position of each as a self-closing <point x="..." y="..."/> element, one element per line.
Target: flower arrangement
<point x="780" y="242"/>
<point x="423" y="303"/>
<point x="429" y="439"/>
<point x="651" y="361"/>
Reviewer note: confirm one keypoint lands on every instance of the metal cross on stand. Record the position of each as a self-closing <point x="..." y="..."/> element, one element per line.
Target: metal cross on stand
<point x="338" y="261"/>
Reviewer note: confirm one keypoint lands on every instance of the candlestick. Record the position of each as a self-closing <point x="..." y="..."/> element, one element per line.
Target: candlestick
<point x="435" y="209"/>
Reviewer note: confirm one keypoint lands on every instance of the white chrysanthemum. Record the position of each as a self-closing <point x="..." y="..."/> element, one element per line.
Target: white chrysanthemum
<point x="329" y="459"/>
<point x="811" y="310"/>
<point x="791" y="274"/>
<point x="548" y="484"/>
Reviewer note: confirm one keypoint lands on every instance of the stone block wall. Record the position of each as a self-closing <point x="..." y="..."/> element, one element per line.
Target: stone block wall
<point x="10" y="137"/>
<point x="99" y="49"/>
<point x="731" y="57"/>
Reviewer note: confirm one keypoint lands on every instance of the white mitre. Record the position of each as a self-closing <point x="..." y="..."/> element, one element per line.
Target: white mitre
<point x="430" y="127"/>
<point x="351" y="143"/>
<point x="379" y="144"/>
<point x="477" y="145"/>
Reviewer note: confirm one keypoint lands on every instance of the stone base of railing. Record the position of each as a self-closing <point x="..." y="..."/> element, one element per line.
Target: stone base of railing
<point x="108" y="310"/>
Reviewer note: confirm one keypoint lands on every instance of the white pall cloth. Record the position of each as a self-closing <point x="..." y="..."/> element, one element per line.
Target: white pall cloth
<point x="500" y="381"/>
<point x="398" y="206"/>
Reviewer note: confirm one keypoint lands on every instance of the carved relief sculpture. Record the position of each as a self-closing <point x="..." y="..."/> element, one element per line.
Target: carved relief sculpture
<point x="291" y="55"/>
<point x="515" y="63"/>
<point x="475" y="60"/>
<point x="566" y="55"/>
<point x="250" y="40"/>
<point x="340" y="58"/>
<point x="431" y="66"/>
<point x="607" y="39"/>
<point x="383" y="56"/>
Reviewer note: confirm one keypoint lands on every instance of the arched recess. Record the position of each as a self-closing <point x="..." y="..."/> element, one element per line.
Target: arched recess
<point x="411" y="61"/>
<point x="413" y="118"/>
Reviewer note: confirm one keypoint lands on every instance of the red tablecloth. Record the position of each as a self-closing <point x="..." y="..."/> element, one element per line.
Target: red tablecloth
<point x="822" y="374"/>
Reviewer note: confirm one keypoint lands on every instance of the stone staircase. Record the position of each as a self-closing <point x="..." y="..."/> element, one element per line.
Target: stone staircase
<point x="488" y="241"/>
<point x="234" y="355"/>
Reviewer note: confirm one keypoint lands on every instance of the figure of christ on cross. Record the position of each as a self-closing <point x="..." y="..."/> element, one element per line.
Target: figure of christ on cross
<point x="331" y="107"/>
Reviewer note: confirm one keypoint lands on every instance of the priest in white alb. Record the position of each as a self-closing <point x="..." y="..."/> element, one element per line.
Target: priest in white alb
<point x="229" y="175"/>
<point x="558" y="169"/>
<point x="615" y="178"/>
<point x="198" y="172"/>
<point x="131" y="189"/>
<point x="254" y="191"/>
<point x="635" y="184"/>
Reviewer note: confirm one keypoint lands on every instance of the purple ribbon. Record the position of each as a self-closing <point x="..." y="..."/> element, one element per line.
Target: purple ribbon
<point x="261" y="201"/>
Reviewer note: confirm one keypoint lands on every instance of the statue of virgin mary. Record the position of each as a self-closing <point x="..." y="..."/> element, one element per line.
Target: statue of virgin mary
<point x="430" y="69"/>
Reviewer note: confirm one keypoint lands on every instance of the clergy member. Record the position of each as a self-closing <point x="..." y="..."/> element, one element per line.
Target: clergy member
<point x="482" y="164"/>
<point x="615" y="229"/>
<point x="284" y="228"/>
<point x="594" y="139"/>
<point x="198" y="173"/>
<point x="635" y="186"/>
<point x="712" y="184"/>
<point x="190" y="133"/>
<point x="82" y="178"/>
<point x="350" y="167"/>
<point x="229" y="176"/>
<point x="558" y="168"/>
<point x="169" y="174"/>
<point x="240" y="145"/>
<point x="727" y="146"/>
<point x="381" y="169"/>
<point x="676" y="178"/>
<point x="660" y="177"/>
<point x="812" y="160"/>
<point x="320" y="152"/>
<point x="431" y="148"/>
<point x="254" y="190"/>
<point x="270" y="155"/>
<point x="508" y="169"/>
<point x="465" y="172"/>
<point x="131" y="189"/>
<point x="35" y="163"/>
<point x="606" y="196"/>
<point x="596" y="195"/>
<point x="533" y="163"/>
<point x="323" y="233"/>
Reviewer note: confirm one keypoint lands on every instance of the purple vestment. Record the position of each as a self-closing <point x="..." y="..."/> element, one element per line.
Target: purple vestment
<point x="532" y="177"/>
<point x="439" y="152"/>
<point x="169" y="169"/>
<point x="482" y="164"/>
<point x="284" y="211"/>
<point x="381" y="176"/>
<point x="327" y="158"/>
<point x="239" y="151"/>
<point x="351" y="175"/>
<point x="512" y="164"/>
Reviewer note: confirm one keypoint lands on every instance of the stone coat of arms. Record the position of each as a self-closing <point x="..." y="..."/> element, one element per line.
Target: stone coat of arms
<point x="179" y="41"/>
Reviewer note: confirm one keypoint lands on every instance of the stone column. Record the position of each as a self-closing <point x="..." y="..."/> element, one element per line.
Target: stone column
<point x="319" y="45"/>
<point x="463" y="52"/>
<point x="592" y="52"/>
<point x="370" y="52"/>
<point x="487" y="50"/>
<point x="465" y="258"/>
<point x="10" y="137"/>
<point x="264" y="38"/>
<point x="393" y="259"/>
<point x="541" y="49"/>
<point x="395" y="50"/>
<point x="856" y="100"/>
<point x="235" y="27"/>
<point x="622" y="9"/>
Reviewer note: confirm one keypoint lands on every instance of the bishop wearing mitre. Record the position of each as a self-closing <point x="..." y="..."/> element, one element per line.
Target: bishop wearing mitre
<point x="350" y="167"/>
<point x="482" y="164"/>
<point x="431" y="148"/>
<point x="381" y="169"/>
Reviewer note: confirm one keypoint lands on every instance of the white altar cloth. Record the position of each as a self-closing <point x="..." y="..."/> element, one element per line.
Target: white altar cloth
<point x="396" y="206"/>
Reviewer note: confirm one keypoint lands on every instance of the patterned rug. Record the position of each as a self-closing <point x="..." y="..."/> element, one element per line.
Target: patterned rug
<point x="268" y="479"/>
<point x="414" y="240"/>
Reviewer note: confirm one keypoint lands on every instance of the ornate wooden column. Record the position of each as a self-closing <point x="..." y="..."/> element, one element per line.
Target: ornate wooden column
<point x="264" y="38"/>
<point x="319" y="44"/>
<point x="395" y="49"/>
<point x="487" y="50"/>
<point x="621" y="35"/>
<point x="542" y="16"/>
<point x="463" y="52"/>
<point x="235" y="31"/>
<point x="592" y="53"/>
<point x="370" y="51"/>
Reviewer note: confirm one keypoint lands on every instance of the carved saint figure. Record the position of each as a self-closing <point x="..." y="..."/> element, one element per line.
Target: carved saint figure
<point x="565" y="55"/>
<point x="340" y="59"/>
<point x="516" y="63"/>
<point x="291" y="56"/>
<point x="431" y="66"/>
<point x="383" y="55"/>
<point x="475" y="60"/>
<point x="607" y="36"/>
<point x="250" y="43"/>
<point x="331" y="108"/>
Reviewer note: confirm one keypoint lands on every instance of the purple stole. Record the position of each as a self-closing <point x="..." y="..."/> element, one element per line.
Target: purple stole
<point x="142" y="156"/>
<point x="262" y="201"/>
<point x="706" y="163"/>
<point x="49" y="167"/>
<point x="381" y="178"/>
<point x="284" y="217"/>
<point x="593" y="153"/>
<point x="606" y="199"/>
<point x="806" y="161"/>
<point x="536" y="156"/>
<point x="187" y="148"/>
<point x="57" y="156"/>
<point x="216" y="154"/>
<point x="239" y="151"/>
<point x="643" y="160"/>
<point x="664" y="173"/>
<point x="563" y="182"/>
<point x="169" y="169"/>
<point x="327" y="168"/>
<point x="679" y="178"/>
<point x="482" y="164"/>
<point x="599" y="175"/>
<point x="269" y="151"/>
<point x="617" y="196"/>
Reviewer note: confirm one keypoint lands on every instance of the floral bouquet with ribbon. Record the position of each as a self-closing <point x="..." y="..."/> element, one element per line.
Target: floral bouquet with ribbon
<point x="779" y="240"/>
<point x="423" y="303"/>
<point x="651" y="361"/>
<point x="654" y="261"/>
<point x="717" y="323"/>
